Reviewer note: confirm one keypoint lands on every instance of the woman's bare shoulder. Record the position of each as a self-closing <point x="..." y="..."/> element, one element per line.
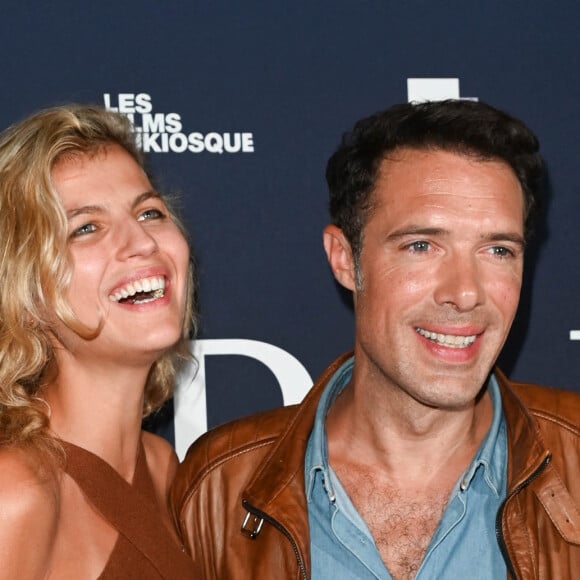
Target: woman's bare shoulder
<point x="29" y="510"/>
<point x="24" y="485"/>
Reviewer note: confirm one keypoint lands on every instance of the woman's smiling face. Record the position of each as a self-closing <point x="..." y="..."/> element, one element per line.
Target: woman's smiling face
<point x="130" y="259"/>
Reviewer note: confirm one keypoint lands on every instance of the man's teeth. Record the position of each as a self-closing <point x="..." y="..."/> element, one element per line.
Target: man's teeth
<point x="154" y="287"/>
<point x="449" y="340"/>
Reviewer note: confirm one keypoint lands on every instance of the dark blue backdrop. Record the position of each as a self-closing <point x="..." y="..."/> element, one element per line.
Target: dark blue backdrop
<point x="283" y="80"/>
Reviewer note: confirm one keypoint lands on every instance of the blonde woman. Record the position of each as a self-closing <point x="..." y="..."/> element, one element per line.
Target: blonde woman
<point x="95" y="307"/>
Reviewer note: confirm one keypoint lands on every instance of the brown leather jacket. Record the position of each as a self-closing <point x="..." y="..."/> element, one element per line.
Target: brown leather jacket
<point x="239" y="501"/>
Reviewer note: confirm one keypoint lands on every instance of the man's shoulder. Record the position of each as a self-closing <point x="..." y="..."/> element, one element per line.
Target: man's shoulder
<point x="226" y="459"/>
<point x="550" y="404"/>
<point x="244" y="434"/>
<point x="221" y="448"/>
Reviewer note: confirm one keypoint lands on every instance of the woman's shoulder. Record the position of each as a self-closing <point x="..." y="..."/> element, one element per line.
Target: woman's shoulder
<point x="25" y="483"/>
<point x="29" y="510"/>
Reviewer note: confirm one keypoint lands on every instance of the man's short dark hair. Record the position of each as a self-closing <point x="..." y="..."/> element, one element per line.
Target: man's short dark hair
<point x="466" y="127"/>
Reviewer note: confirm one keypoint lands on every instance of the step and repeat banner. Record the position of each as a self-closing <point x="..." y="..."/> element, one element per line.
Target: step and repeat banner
<point x="240" y="104"/>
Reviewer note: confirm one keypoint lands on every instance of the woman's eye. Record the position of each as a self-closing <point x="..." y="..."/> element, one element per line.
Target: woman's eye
<point x="84" y="230"/>
<point x="150" y="214"/>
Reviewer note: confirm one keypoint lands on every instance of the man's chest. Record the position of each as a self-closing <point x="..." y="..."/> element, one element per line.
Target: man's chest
<point x="402" y="522"/>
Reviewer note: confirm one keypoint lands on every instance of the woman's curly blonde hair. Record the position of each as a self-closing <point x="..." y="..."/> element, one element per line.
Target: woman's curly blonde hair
<point x="35" y="265"/>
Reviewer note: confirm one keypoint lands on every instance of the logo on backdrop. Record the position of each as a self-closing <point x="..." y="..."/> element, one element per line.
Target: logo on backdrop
<point x="159" y="132"/>
<point x="190" y="408"/>
<point x="434" y="89"/>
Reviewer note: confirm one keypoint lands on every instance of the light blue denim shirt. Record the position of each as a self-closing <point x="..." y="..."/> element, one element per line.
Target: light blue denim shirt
<point x="464" y="544"/>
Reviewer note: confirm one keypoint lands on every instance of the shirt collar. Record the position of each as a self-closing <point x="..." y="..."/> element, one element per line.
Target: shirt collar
<point x="490" y="456"/>
<point x="317" y="451"/>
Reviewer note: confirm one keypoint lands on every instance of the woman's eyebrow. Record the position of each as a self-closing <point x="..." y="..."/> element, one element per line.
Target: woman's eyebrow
<point x="93" y="209"/>
<point x="85" y="209"/>
<point x="145" y="196"/>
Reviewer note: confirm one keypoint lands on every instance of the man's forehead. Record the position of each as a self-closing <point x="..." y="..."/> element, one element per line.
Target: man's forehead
<point x="426" y="179"/>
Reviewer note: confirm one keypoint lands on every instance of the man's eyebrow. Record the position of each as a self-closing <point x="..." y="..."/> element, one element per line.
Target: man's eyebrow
<point x="507" y="237"/>
<point x="94" y="209"/>
<point x="416" y="231"/>
<point x="513" y="237"/>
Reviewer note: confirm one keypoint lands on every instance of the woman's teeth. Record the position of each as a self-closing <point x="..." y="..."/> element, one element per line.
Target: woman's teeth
<point x="144" y="290"/>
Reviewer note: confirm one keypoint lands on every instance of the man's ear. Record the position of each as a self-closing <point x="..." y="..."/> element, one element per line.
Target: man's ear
<point x="339" y="254"/>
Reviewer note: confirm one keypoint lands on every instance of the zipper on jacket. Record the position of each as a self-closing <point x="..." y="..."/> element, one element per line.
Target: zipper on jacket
<point x="279" y="527"/>
<point x="499" y="515"/>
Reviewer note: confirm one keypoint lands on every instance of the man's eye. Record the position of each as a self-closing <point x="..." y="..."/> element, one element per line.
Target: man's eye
<point x="420" y="246"/>
<point x="84" y="230"/>
<point x="501" y="252"/>
<point x="150" y="214"/>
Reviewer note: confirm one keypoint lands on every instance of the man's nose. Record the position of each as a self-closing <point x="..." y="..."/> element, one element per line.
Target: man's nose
<point x="459" y="282"/>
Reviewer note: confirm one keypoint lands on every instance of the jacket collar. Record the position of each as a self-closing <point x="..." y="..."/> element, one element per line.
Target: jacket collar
<point x="285" y="463"/>
<point x="527" y="450"/>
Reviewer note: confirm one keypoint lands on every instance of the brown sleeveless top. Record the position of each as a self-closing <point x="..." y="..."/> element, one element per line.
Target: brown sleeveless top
<point x="144" y="549"/>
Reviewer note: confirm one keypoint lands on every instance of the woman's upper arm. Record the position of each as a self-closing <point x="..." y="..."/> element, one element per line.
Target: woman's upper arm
<point x="28" y="519"/>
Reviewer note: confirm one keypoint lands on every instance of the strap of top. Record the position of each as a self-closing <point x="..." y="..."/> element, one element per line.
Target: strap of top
<point x="130" y="508"/>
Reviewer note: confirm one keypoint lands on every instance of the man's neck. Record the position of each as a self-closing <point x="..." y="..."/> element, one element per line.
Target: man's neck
<point x="402" y="437"/>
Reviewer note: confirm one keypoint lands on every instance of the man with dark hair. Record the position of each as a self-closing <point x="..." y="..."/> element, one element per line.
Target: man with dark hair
<point x="414" y="457"/>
